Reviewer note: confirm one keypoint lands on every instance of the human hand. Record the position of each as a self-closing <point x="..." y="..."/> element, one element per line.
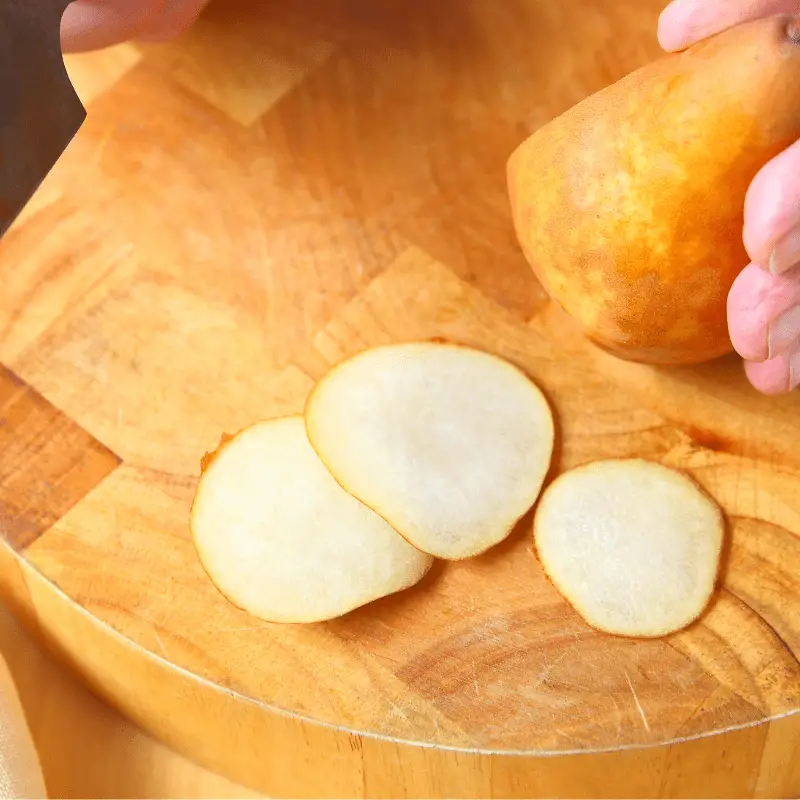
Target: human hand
<point x="94" y="24"/>
<point x="764" y="302"/>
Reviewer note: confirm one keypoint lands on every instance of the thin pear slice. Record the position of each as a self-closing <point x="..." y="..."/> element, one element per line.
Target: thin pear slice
<point x="632" y="545"/>
<point x="450" y="445"/>
<point x="282" y="540"/>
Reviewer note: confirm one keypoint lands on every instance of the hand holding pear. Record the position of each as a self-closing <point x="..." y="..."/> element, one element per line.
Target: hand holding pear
<point x="629" y="207"/>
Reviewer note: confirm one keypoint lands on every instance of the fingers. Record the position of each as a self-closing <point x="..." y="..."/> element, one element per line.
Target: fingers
<point x="772" y="213"/>
<point x="684" y="22"/>
<point x="95" y="24"/>
<point x="764" y="302"/>
<point x="777" y="376"/>
<point x="178" y="16"/>
<point x="763" y="319"/>
<point x="764" y="324"/>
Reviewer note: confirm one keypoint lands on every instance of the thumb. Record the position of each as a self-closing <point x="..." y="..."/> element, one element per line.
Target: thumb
<point x="177" y="17"/>
<point x="95" y="24"/>
<point x="684" y="22"/>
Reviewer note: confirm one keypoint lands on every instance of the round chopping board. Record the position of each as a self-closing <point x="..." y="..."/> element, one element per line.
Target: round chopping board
<point x="286" y="185"/>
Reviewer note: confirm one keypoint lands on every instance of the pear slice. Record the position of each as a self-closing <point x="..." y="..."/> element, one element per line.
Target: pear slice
<point x="450" y="445"/>
<point x="283" y="541"/>
<point x="632" y="545"/>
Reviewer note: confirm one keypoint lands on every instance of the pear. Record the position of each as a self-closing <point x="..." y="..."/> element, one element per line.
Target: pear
<point x="629" y="206"/>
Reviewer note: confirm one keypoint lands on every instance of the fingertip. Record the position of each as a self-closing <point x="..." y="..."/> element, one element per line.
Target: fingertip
<point x="772" y="204"/>
<point x="87" y="25"/>
<point x="748" y="313"/>
<point x="672" y="34"/>
<point x="178" y="17"/>
<point x="684" y="22"/>
<point x="769" y="377"/>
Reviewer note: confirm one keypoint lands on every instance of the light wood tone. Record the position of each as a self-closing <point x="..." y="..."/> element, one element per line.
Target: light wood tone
<point x="88" y="750"/>
<point x="248" y="206"/>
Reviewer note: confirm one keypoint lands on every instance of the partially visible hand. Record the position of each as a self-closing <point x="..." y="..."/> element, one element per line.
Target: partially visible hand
<point x="94" y="24"/>
<point x="764" y="303"/>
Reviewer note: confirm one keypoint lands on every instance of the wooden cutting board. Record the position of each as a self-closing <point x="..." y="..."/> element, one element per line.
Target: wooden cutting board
<point x="290" y="183"/>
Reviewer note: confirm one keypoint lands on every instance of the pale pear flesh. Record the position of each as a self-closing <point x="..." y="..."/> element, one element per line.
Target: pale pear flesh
<point x="451" y="445"/>
<point x="632" y="545"/>
<point x="281" y="539"/>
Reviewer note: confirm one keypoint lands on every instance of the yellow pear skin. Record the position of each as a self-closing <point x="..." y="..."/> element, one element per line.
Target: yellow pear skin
<point x="629" y="207"/>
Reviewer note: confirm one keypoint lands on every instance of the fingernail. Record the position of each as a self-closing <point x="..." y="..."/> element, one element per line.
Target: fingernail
<point x="783" y="332"/>
<point x="794" y="371"/>
<point x="786" y="253"/>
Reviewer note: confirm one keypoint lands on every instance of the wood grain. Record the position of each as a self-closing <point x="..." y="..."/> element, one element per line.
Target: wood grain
<point x="290" y="183"/>
<point x="47" y="463"/>
<point x="87" y="749"/>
